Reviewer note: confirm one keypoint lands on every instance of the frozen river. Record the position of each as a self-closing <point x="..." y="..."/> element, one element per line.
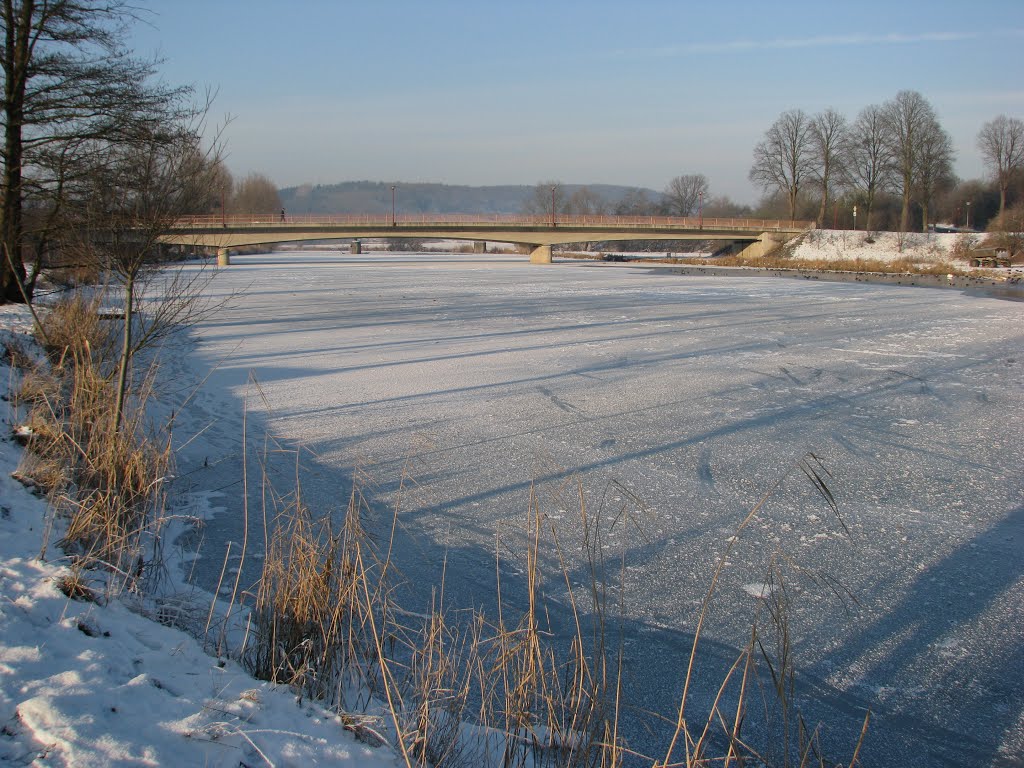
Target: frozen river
<point x="677" y="402"/>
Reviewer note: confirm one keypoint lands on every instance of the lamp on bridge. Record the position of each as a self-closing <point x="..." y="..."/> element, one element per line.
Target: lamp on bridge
<point x="552" y="205"/>
<point x="855" y="218"/>
<point x="392" y="205"/>
<point x="968" y="215"/>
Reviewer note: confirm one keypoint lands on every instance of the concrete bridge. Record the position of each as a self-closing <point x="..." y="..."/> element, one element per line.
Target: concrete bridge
<point x="753" y="237"/>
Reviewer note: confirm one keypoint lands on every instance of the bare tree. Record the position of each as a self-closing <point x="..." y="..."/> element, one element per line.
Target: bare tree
<point x="684" y="194"/>
<point x="1001" y="142"/>
<point x="635" y="203"/>
<point x="869" y="158"/>
<point x="934" y="167"/>
<point x="829" y="142"/>
<point x="138" y="192"/>
<point x="586" y="202"/>
<point x="220" y="190"/>
<point x="722" y="206"/>
<point x="256" y="193"/>
<point x="68" y="80"/>
<point x="547" y="199"/>
<point x="783" y="160"/>
<point x="909" y="119"/>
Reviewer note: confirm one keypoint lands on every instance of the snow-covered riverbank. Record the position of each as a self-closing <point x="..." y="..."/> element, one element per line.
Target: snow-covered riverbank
<point x="94" y="685"/>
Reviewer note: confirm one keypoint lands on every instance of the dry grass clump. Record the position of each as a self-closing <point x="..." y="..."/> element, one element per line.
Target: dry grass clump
<point x="71" y="275"/>
<point x="78" y="327"/>
<point x="462" y="691"/>
<point x="964" y="246"/>
<point x="15" y="355"/>
<point x="439" y="678"/>
<point x="74" y="586"/>
<point x="312" y="628"/>
<point x="105" y="484"/>
<point x="115" y="501"/>
<point x="555" y="705"/>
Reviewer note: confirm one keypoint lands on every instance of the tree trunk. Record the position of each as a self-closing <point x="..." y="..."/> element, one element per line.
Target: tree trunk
<point x="15" y="65"/>
<point x="126" y="352"/>
<point x="823" y="210"/>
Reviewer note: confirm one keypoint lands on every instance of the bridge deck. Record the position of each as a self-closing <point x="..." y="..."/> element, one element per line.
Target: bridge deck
<point x="420" y="221"/>
<point x="537" y="231"/>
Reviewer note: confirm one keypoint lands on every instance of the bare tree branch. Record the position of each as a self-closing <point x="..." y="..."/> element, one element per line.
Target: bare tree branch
<point x="684" y="193"/>
<point x="69" y="85"/>
<point x="870" y="161"/>
<point x="830" y="146"/>
<point x="783" y="160"/>
<point x="1001" y="142"/>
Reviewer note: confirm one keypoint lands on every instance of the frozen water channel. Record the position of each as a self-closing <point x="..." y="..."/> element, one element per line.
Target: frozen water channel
<point x="676" y="402"/>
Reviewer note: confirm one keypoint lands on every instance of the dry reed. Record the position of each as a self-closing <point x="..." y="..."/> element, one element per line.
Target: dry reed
<point x="105" y="484"/>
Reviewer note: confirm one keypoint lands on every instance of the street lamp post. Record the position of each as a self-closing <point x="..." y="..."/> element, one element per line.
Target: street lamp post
<point x="392" y="205"/>
<point x="552" y="205"/>
<point x="700" y="210"/>
<point x="968" y="214"/>
<point x="855" y="218"/>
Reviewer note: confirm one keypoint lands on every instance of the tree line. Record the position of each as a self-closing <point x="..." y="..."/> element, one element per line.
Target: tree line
<point x="893" y="163"/>
<point x="685" y="195"/>
<point x="898" y="148"/>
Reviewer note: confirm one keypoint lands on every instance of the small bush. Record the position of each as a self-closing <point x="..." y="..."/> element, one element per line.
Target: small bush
<point x="73" y="275"/>
<point x="77" y="329"/>
<point x="963" y="246"/>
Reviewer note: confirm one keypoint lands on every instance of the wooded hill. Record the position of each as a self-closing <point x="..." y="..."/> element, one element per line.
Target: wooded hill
<point x="375" y="197"/>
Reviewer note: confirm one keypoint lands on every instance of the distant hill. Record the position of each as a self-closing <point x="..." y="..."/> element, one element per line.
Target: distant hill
<point x="375" y="197"/>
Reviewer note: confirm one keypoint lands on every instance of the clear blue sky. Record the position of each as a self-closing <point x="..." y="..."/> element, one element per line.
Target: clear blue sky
<point x="519" y="91"/>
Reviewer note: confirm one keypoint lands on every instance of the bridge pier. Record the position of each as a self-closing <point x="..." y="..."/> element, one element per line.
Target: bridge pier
<point x="223" y="257"/>
<point x="479" y="246"/>
<point x="541" y="255"/>
<point x="765" y="245"/>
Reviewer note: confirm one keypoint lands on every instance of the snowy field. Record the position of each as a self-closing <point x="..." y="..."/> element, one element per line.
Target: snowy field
<point x="677" y="402"/>
<point x="923" y="248"/>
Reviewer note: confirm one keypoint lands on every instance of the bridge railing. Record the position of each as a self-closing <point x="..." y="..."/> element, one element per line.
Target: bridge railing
<point x="415" y="220"/>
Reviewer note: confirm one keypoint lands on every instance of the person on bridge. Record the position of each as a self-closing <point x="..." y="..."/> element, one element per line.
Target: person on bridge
<point x="282" y="214"/>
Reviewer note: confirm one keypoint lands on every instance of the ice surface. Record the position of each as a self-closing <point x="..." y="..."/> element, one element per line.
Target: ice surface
<point x="677" y="401"/>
